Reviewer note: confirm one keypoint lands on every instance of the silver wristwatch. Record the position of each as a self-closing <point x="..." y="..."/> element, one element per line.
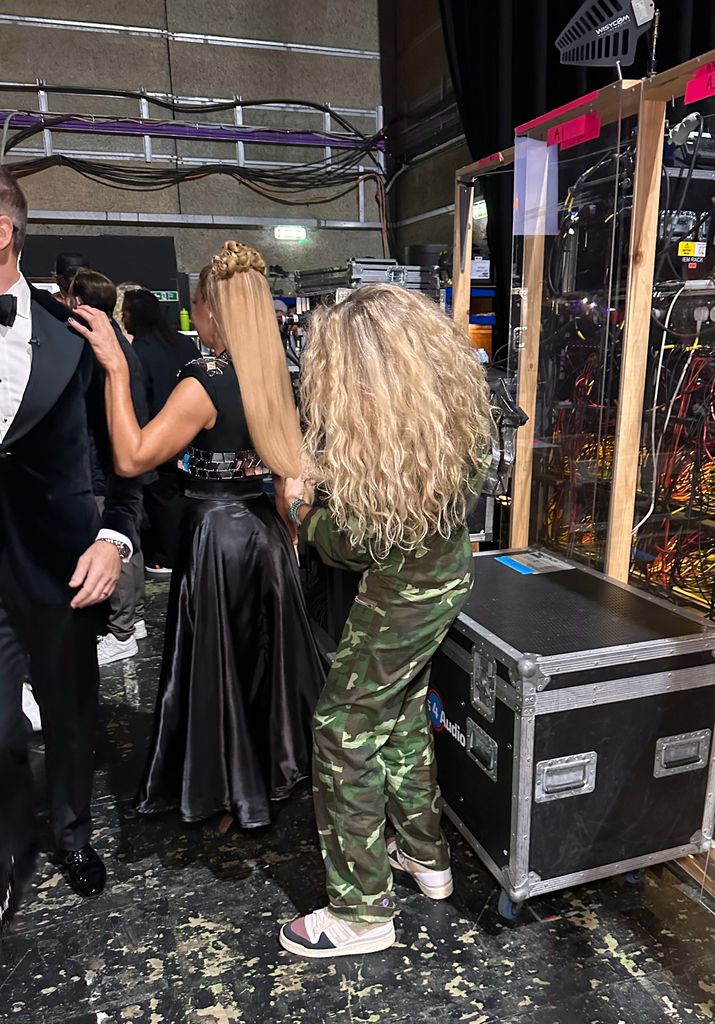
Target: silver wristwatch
<point x="124" y="550"/>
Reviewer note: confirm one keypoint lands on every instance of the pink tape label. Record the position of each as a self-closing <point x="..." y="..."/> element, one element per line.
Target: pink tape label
<point x="574" y="132"/>
<point x="590" y="97"/>
<point x="701" y="85"/>
<point x="495" y="158"/>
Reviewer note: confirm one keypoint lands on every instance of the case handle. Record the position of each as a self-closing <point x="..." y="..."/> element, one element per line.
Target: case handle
<point x="482" y="676"/>
<point x="686" y="752"/>
<point x="483" y="749"/>
<point x="561" y="777"/>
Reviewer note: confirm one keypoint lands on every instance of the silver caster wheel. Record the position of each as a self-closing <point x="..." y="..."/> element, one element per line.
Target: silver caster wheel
<point x="507" y="908"/>
<point x="635" y="877"/>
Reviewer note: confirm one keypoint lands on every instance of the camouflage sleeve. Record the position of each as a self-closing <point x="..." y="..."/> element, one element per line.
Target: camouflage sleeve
<point x="334" y="547"/>
<point x="480" y="472"/>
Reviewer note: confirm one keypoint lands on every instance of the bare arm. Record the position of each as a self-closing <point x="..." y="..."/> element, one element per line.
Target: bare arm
<point x="188" y="410"/>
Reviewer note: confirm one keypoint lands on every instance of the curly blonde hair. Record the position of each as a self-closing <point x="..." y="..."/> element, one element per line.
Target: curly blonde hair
<point x="236" y="291"/>
<point x="397" y="413"/>
<point x="234" y="258"/>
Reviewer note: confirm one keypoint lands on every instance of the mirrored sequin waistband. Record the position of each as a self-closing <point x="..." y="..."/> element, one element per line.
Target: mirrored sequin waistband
<point x="223" y="465"/>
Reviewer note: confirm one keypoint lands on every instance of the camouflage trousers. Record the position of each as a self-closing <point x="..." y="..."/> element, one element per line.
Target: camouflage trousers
<point x="373" y="747"/>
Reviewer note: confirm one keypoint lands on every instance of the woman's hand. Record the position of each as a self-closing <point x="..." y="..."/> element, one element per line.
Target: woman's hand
<point x="99" y="332"/>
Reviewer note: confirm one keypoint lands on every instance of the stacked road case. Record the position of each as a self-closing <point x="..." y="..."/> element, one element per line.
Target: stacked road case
<point x="573" y="718"/>
<point x="337" y="280"/>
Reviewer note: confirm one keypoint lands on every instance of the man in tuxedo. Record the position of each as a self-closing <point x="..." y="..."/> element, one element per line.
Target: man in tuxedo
<point x="59" y="559"/>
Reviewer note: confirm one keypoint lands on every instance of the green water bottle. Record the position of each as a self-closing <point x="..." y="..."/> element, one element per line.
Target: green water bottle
<point x="184" y="320"/>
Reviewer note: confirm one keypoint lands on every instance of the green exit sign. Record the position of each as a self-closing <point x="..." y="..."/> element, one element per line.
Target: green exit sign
<point x="167" y="296"/>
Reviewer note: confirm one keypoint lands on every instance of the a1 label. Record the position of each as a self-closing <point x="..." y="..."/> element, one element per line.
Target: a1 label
<point x="701" y="85"/>
<point x="574" y="132"/>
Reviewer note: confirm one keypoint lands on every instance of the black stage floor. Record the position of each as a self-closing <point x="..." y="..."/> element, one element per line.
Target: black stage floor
<point x="186" y="931"/>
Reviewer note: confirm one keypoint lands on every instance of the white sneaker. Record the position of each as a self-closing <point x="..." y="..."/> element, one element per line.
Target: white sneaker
<point x="438" y="885"/>
<point x="30" y="708"/>
<point x="109" y="649"/>
<point x="159" y="572"/>
<point x="140" y="630"/>
<point x="321" y="935"/>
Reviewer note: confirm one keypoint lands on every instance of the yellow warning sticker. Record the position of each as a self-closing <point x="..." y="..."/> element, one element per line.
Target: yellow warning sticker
<point x="694" y="250"/>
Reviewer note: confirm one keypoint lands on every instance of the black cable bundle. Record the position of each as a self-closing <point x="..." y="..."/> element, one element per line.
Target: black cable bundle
<point x="302" y="184"/>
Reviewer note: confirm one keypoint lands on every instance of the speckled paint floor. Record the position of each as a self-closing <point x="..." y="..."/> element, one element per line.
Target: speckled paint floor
<point x="186" y="930"/>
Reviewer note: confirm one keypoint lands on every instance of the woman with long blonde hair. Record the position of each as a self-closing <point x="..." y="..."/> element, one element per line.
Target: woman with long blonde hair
<point x="398" y="429"/>
<point x="241" y="672"/>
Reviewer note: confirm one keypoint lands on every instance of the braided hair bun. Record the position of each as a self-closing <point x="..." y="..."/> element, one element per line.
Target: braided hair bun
<point x="236" y="258"/>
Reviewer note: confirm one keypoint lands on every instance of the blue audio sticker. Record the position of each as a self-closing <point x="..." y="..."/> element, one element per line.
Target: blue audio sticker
<point x="531" y="563"/>
<point x="435" y="708"/>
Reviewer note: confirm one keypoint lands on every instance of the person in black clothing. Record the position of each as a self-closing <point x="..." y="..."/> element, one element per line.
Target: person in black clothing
<point x="241" y="672"/>
<point x="60" y="559"/>
<point x="66" y="266"/>
<point x="125" y="623"/>
<point x="163" y="353"/>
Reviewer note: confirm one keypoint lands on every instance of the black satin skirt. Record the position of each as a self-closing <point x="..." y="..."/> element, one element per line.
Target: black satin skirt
<point x="241" y="672"/>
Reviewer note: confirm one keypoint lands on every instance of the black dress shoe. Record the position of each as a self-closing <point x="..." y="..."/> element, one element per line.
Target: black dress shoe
<point x="84" y="868"/>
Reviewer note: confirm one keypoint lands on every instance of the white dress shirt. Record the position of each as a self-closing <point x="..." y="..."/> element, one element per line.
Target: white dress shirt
<point x="15" y="367"/>
<point x="15" y="357"/>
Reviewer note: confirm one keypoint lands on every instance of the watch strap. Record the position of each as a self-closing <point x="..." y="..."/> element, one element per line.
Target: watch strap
<point x="123" y="549"/>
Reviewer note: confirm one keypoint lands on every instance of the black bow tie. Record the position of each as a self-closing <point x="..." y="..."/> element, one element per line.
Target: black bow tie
<point x="8" y="310"/>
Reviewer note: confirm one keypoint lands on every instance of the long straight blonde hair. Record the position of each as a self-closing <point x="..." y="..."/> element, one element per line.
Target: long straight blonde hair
<point x="237" y="293"/>
<point x="398" y="417"/>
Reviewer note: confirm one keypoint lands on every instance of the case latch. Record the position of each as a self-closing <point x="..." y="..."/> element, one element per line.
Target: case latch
<point x="687" y="752"/>
<point x="484" y="685"/>
<point x="565" y="776"/>
<point x="482" y="749"/>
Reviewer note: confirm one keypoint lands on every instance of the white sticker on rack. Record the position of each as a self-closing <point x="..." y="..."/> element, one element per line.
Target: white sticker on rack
<point x="531" y="563"/>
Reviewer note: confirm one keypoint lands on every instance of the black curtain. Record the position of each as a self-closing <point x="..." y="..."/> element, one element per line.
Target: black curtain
<point x="506" y="70"/>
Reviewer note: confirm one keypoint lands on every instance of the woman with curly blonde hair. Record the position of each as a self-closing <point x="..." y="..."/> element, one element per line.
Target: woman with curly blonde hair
<point x="241" y="672"/>
<point x="398" y="429"/>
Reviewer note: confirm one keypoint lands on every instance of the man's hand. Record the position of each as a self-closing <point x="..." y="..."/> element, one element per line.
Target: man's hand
<point x="97" y="574"/>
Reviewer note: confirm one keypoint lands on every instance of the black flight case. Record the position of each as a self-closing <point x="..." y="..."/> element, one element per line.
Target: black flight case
<point x="573" y="719"/>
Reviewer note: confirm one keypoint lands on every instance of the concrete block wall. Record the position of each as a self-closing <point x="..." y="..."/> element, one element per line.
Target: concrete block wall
<point x="119" y="60"/>
<point x="416" y="84"/>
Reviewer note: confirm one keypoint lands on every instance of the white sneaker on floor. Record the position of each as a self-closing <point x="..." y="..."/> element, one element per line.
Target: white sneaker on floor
<point x="321" y="936"/>
<point x="30" y="708"/>
<point x="438" y="885"/>
<point x="159" y="572"/>
<point x="109" y="649"/>
<point x="140" y="630"/>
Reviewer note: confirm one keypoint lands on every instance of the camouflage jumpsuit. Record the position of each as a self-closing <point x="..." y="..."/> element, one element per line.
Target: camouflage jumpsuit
<point x="373" y="747"/>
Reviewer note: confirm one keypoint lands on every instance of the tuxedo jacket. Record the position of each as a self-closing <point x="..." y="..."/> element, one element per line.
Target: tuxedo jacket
<point x="48" y="512"/>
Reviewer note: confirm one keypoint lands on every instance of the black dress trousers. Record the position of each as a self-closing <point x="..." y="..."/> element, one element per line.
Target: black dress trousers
<point x="61" y="647"/>
<point x="164" y="507"/>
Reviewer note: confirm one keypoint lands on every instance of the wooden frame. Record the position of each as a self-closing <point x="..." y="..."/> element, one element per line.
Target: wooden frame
<point x="648" y="98"/>
<point x="654" y="94"/>
<point x="463" y="228"/>
<point x="701" y="868"/>
<point x="610" y="104"/>
<point x="639" y="301"/>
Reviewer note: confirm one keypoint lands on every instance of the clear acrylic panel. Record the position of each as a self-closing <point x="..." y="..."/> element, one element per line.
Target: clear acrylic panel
<point x="673" y="552"/>
<point x="570" y="274"/>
